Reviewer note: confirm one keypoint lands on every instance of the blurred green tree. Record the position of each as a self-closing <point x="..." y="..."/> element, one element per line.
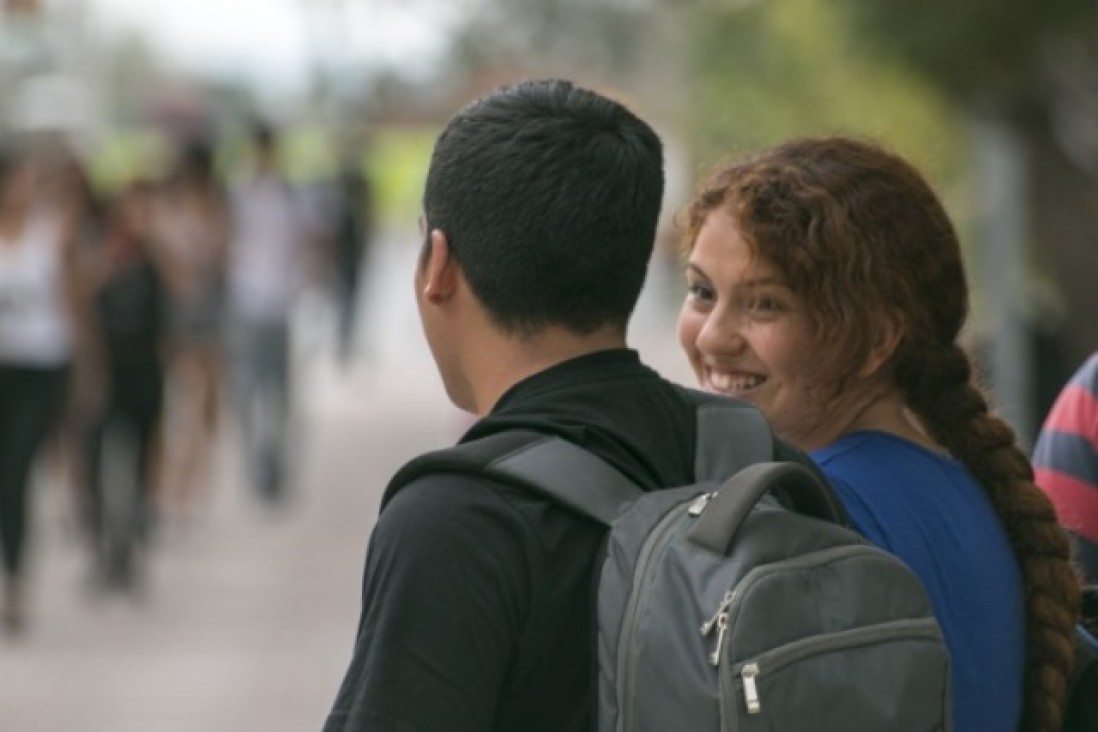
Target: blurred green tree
<point x="727" y="76"/>
<point x="1030" y="70"/>
<point x="765" y="71"/>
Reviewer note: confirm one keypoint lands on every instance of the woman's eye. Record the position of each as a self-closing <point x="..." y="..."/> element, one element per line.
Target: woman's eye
<point x="699" y="292"/>
<point x="766" y="305"/>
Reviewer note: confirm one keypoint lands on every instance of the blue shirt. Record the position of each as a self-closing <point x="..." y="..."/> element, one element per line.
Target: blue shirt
<point x="928" y="510"/>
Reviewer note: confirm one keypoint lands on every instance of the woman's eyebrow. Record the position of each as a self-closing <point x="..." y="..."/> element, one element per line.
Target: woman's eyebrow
<point x="696" y="270"/>
<point x="764" y="281"/>
<point x="767" y="280"/>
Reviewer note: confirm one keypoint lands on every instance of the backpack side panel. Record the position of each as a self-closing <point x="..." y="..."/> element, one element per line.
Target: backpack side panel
<point x="633" y="542"/>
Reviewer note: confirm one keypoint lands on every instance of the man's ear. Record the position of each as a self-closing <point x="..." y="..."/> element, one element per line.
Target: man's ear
<point x="888" y="331"/>
<point x="440" y="271"/>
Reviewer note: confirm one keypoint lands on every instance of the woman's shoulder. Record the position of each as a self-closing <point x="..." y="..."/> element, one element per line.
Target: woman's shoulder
<point x="898" y="492"/>
<point x="872" y="462"/>
<point x="875" y="446"/>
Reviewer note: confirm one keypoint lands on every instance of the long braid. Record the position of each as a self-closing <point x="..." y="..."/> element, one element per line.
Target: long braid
<point x="940" y="389"/>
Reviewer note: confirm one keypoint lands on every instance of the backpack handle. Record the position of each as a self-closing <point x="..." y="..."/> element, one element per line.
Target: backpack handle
<point x="805" y="493"/>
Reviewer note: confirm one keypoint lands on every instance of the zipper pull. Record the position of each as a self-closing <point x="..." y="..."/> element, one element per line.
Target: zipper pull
<point x="720" y="621"/>
<point x="722" y="609"/>
<point x="699" y="504"/>
<point x="750" y="690"/>
<point x="722" y="626"/>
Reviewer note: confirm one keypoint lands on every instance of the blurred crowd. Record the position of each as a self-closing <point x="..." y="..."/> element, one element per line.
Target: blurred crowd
<point x="133" y="319"/>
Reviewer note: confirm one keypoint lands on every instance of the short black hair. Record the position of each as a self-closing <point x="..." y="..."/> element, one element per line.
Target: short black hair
<point x="549" y="195"/>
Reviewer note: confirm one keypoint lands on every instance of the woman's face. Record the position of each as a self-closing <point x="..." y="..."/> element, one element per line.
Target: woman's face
<point x="748" y="335"/>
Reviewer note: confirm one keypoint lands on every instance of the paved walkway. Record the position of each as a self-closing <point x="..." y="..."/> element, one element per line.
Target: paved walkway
<point x="249" y="614"/>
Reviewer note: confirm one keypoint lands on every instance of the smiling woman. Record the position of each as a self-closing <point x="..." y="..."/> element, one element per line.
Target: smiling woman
<point x="827" y="287"/>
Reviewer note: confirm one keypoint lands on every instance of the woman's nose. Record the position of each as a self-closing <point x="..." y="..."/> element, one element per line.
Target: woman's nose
<point x="722" y="333"/>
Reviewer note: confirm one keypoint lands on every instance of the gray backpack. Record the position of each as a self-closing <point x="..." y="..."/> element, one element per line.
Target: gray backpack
<point x="742" y="602"/>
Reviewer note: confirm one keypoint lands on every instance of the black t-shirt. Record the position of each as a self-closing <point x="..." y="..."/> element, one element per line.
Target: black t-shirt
<point x="130" y="306"/>
<point x="478" y="596"/>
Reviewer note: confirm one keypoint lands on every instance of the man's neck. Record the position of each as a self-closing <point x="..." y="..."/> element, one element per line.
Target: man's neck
<point x="498" y="366"/>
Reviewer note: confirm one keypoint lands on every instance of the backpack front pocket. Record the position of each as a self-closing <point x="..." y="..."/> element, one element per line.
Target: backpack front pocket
<point x="798" y="685"/>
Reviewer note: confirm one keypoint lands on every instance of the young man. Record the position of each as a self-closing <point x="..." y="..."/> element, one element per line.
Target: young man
<point x="540" y="214"/>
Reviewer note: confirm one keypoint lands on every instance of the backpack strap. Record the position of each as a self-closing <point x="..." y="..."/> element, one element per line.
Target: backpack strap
<point x="732" y="434"/>
<point x="572" y="476"/>
<point x="470" y="458"/>
<point x="551" y="466"/>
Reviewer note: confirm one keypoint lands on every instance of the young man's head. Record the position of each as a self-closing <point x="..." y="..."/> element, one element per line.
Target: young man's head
<point x="547" y="195"/>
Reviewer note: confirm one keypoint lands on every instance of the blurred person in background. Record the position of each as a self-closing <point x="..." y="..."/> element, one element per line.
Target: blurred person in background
<point x="68" y="188"/>
<point x="192" y="234"/>
<point x="1066" y="462"/>
<point x="123" y="441"/>
<point x="352" y="228"/>
<point x="40" y="305"/>
<point x="265" y="272"/>
<point x="826" y="286"/>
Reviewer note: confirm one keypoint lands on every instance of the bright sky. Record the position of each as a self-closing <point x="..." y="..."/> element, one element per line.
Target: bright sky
<point x="271" y="41"/>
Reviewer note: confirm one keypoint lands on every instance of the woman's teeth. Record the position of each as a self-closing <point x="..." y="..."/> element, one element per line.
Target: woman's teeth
<point x="733" y="384"/>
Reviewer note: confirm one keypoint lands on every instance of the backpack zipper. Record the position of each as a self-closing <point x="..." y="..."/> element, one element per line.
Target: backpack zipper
<point x="750" y="690"/>
<point x="700" y="503"/>
<point x="720" y="621"/>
